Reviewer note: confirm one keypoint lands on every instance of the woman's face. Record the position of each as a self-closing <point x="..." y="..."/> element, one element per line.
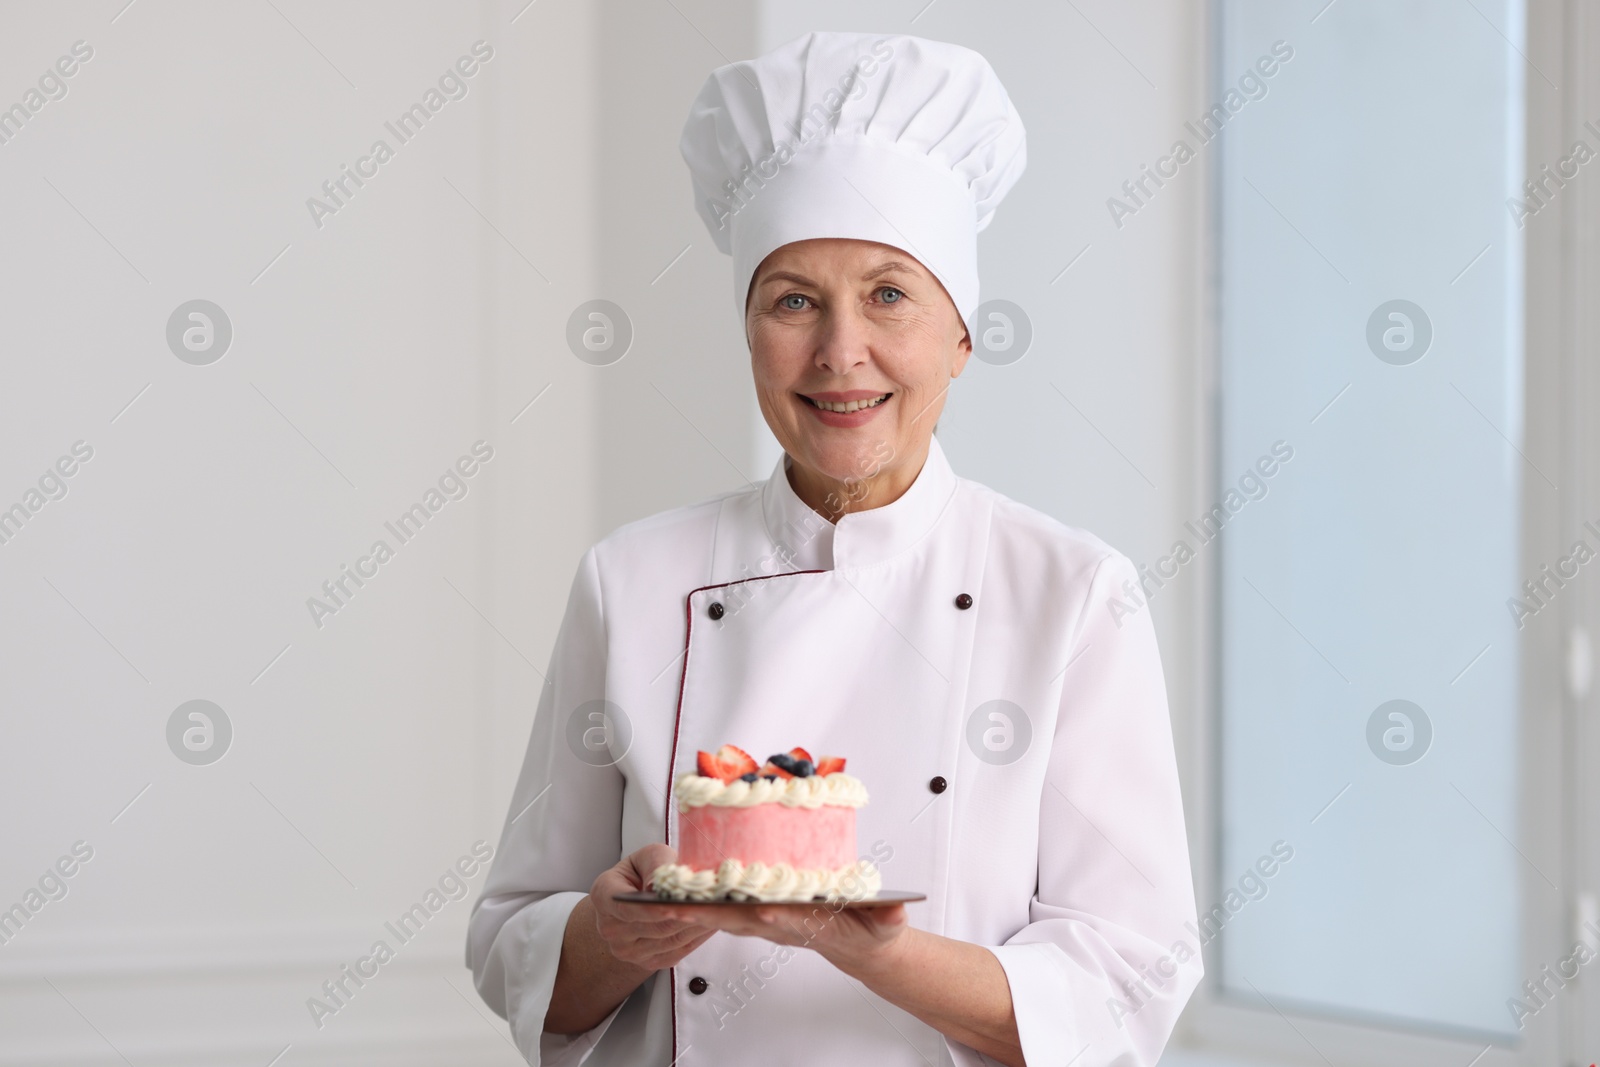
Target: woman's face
<point x="833" y="322"/>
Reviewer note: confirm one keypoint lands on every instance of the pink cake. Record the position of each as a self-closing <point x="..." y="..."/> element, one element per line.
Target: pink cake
<point x="767" y="833"/>
<point x="783" y="832"/>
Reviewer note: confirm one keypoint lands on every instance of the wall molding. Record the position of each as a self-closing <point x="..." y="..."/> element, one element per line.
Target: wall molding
<point x="124" y="988"/>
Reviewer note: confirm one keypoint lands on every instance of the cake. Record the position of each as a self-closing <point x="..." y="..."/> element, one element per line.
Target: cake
<point x="785" y="831"/>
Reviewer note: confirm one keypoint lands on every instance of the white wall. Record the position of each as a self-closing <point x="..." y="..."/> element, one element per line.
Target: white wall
<point x="376" y="350"/>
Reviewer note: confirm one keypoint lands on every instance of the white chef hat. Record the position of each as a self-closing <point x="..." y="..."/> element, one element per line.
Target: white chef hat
<point x="880" y="137"/>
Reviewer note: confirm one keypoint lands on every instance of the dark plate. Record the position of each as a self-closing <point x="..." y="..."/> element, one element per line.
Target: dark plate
<point x="882" y="900"/>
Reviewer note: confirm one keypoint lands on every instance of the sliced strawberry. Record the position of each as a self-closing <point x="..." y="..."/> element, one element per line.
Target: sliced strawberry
<point x="800" y="753"/>
<point x="830" y="765"/>
<point x="729" y="763"/>
<point x="772" y="768"/>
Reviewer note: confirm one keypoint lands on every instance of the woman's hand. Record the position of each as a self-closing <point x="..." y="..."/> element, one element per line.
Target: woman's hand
<point x="858" y="941"/>
<point x="611" y="948"/>
<point x="639" y="933"/>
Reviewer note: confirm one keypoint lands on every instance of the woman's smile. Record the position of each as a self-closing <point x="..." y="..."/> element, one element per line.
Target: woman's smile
<point x="854" y="408"/>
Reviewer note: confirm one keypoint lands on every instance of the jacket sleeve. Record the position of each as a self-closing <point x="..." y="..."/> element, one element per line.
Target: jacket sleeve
<point x="563" y="828"/>
<point x="1105" y="964"/>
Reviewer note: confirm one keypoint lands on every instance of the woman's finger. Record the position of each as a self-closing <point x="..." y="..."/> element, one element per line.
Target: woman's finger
<point x="648" y="920"/>
<point x="734" y="921"/>
<point x="632" y="914"/>
<point x="667" y="928"/>
<point x="649" y="929"/>
<point x="684" y="935"/>
<point x="676" y="953"/>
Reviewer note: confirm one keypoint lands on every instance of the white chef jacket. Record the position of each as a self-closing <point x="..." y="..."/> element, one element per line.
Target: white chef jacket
<point x="750" y="620"/>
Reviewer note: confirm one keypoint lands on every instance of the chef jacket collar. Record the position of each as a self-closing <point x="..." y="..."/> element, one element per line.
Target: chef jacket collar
<point x="861" y="538"/>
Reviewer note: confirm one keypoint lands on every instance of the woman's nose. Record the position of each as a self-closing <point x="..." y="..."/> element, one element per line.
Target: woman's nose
<point x="843" y="343"/>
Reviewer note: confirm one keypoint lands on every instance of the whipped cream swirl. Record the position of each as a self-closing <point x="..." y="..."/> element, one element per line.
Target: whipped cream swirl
<point x="838" y="789"/>
<point x="780" y="882"/>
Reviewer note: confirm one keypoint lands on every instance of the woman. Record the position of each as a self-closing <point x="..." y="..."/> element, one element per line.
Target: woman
<point x="955" y="646"/>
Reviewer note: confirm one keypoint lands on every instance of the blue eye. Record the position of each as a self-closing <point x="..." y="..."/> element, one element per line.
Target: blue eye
<point x="887" y="290"/>
<point x="793" y="296"/>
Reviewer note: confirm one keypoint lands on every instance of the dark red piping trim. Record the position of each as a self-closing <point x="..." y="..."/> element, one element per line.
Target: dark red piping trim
<point x="683" y="674"/>
<point x="677" y="720"/>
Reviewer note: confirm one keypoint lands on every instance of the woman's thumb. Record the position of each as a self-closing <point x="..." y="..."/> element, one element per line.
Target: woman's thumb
<point x="648" y="858"/>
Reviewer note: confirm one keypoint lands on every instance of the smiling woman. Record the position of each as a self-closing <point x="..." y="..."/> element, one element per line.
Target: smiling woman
<point x="1051" y="855"/>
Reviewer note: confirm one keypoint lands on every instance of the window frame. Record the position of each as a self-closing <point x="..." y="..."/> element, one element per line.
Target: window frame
<point x="1551" y="725"/>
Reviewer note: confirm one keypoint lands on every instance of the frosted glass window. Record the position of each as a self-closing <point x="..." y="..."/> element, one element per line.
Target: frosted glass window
<point x="1370" y="359"/>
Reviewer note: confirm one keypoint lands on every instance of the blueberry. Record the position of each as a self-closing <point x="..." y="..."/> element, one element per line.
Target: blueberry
<point x="752" y="776"/>
<point x="770" y="777"/>
<point x="802" y="769"/>
<point x="782" y="760"/>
